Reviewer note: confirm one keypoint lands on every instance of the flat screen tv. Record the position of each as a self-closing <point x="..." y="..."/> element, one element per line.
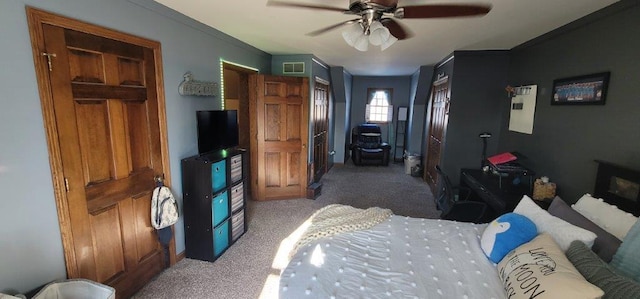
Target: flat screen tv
<point x="217" y="130"/>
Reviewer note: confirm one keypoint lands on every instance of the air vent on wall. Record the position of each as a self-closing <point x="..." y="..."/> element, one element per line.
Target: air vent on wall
<point x="293" y="67"/>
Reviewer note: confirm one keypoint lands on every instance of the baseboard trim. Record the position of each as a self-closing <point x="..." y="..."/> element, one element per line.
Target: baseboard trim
<point x="314" y="190"/>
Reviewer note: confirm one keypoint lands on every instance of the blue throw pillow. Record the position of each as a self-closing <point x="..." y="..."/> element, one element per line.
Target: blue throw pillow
<point x="506" y="233"/>
<point x="627" y="258"/>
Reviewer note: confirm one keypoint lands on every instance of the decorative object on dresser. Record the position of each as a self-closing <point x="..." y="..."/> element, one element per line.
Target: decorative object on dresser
<point x="214" y="201"/>
<point x="543" y="189"/>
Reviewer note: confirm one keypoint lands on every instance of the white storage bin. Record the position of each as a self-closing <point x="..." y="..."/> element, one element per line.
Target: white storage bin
<point x="410" y="161"/>
<point x="76" y="289"/>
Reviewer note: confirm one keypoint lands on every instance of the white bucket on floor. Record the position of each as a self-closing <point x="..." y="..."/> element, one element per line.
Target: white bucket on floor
<point x="410" y="161"/>
<point x="76" y="289"/>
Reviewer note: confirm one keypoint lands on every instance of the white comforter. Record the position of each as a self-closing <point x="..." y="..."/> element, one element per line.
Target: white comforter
<point x="401" y="257"/>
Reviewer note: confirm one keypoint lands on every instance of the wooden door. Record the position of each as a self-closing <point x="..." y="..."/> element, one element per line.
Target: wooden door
<point x="104" y="115"/>
<point x="279" y="119"/>
<point x="320" y="129"/>
<point x="439" y="116"/>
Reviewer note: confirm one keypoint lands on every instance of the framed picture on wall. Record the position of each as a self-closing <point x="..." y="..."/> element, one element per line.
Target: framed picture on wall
<point x="580" y="90"/>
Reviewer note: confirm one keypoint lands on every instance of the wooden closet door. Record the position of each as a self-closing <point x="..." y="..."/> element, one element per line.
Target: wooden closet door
<point x="280" y="121"/>
<point x="439" y="116"/>
<point x="320" y="130"/>
<point x="106" y="130"/>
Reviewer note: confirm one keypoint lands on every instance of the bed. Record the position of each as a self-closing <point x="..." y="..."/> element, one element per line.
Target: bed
<point x="400" y="257"/>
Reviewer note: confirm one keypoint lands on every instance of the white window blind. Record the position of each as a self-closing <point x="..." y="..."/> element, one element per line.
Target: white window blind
<point x="379" y="110"/>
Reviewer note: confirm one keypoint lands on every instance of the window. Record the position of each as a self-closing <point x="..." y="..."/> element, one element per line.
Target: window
<point x="379" y="110"/>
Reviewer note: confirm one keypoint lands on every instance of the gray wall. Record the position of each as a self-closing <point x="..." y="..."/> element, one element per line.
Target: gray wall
<point x="566" y="139"/>
<point x="401" y="86"/>
<point x="415" y="81"/>
<point x="31" y="249"/>
<point x="477" y="90"/>
<point x="421" y="91"/>
<point x="341" y="95"/>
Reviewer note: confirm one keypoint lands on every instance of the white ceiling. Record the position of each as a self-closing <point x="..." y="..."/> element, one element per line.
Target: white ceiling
<point x="281" y="30"/>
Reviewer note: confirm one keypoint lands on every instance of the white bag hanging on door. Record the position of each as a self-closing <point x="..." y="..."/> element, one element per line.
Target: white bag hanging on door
<point x="164" y="208"/>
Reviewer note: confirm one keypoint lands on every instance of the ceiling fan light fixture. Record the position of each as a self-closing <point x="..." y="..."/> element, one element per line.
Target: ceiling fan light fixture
<point x="378" y="34"/>
<point x="390" y="41"/>
<point x="376" y="22"/>
<point x="362" y="44"/>
<point x="352" y="34"/>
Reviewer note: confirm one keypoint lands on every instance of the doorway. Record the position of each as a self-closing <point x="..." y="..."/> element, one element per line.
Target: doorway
<point x="236" y="97"/>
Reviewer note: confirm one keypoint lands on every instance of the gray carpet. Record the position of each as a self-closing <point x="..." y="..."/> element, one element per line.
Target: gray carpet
<point x="250" y="267"/>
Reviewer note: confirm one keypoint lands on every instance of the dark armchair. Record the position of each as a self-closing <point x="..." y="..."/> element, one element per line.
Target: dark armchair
<point x="367" y="146"/>
<point x="453" y="203"/>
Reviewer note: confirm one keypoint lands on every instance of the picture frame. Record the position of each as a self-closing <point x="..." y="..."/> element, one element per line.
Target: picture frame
<point x="581" y="90"/>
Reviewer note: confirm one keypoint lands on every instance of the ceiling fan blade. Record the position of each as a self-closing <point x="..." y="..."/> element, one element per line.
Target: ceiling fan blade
<point x="396" y="29"/>
<point x="441" y="11"/>
<point x="323" y="30"/>
<point x="300" y="5"/>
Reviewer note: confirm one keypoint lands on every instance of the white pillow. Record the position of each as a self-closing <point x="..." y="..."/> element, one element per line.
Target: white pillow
<point x="562" y="232"/>
<point x="607" y="216"/>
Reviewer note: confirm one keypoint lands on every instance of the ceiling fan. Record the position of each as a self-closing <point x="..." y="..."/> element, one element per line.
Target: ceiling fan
<point x="386" y="12"/>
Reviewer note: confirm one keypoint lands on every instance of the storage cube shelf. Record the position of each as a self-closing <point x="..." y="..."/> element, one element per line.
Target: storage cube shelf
<point x="214" y="201"/>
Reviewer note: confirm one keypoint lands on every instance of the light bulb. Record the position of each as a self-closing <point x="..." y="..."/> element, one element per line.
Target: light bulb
<point x="362" y="44"/>
<point x="352" y="34"/>
<point x="390" y="41"/>
<point x="378" y="34"/>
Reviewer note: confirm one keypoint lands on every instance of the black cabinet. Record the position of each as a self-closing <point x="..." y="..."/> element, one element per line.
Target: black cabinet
<point x="214" y="201"/>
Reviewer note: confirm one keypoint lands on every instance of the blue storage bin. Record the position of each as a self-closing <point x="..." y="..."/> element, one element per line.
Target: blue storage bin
<point x="218" y="175"/>
<point x="219" y="208"/>
<point x="221" y="238"/>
